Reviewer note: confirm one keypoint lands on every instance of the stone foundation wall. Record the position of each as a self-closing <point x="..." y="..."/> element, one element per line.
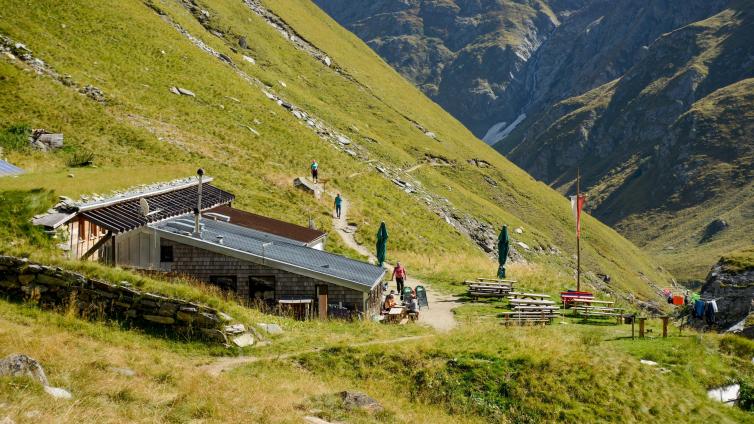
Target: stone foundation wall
<point x="53" y="287"/>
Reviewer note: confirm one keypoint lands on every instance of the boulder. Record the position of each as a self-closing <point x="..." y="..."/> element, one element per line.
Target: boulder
<point x="58" y="393"/>
<point x="242" y="43"/>
<point x="45" y="141"/>
<point x="357" y="400"/>
<point x="713" y="228"/>
<point x="271" y="328"/>
<point x="20" y="365"/>
<point x="243" y="340"/>
<point x="185" y="92"/>
<point x="93" y="93"/>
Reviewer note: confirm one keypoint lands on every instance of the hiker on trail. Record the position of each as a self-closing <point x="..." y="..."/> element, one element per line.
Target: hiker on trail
<point x="399" y="275"/>
<point x="315" y="171"/>
<point x="338" y="203"/>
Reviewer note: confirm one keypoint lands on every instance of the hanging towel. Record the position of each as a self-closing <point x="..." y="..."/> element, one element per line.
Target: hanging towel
<point x="713" y="303"/>
<point x="695" y="297"/>
<point x="699" y="309"/>
<point x="709" y="313"/>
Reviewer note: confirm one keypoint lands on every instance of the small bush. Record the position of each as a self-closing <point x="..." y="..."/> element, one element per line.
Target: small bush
<point x="746" y="396"/>
<point x="81" y="159"/>
<point x="737" y="346"/>
<point x="15" y="137"/>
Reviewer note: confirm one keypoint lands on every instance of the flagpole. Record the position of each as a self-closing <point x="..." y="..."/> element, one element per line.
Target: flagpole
<point x="578" y="239"/>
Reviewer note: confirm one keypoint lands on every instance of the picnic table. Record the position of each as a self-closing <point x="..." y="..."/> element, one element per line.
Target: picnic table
<point x="531" y="302"/>
<point x="589" y="311"/>
<point x="477" y="290"/>
<point x="593" y="301"/>
<point x="519" y="295"/>
<point x="544" y="316"/>
<point x="395" y="313"/>
<point x="498" y="280"/>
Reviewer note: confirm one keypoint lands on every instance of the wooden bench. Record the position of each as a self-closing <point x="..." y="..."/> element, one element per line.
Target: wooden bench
<point x="528" y="296"/>
<point x="535" y="302"/>
<point x="488" y="290"/>
<point x="587" y="312"/>
<point x="521" y="317"/>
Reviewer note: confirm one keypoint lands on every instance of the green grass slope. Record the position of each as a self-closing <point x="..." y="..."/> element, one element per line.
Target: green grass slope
<point x="134" y="54"/>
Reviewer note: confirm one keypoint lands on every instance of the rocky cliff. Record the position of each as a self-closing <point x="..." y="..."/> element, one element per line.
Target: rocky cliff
<point x="731" y="283"/>
<point x="462" y="53"/>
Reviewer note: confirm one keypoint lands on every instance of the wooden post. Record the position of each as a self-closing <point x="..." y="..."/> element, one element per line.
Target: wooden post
<point x="114" y="258"/>
<point x="641" y="327"/>
<point x="322" y="306"/>
<point x="633" y="321"/>
<point x="578" y="237"/>
<point x="665" y="326"/>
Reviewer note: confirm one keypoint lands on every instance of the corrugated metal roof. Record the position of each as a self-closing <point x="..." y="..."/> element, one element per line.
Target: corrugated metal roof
<point x="276" y="252"/>
<point x="7" y="169"/>
<point x="126" y="215"/>
<point x="269" y="225"/>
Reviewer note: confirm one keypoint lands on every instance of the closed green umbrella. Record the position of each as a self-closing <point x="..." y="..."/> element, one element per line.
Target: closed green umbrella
<point x="381" y="244"/>
<point x="503" y="242"/>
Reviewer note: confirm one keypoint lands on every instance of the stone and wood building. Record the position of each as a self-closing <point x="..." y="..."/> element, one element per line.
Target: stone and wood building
<point x="262" y="260"/>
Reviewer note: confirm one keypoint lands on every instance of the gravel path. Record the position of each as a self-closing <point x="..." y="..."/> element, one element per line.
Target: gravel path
<point x="439" y="315"/>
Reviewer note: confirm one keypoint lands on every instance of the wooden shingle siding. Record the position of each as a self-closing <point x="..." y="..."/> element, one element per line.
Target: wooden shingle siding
<point x="202" y="264"/>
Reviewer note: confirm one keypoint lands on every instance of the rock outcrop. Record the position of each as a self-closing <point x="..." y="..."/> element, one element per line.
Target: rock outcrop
<point x="731" y="284"/>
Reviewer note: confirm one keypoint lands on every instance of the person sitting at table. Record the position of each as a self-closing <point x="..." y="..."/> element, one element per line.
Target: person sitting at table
<point x="389" y="303"/>
<point x="412" y="305"/>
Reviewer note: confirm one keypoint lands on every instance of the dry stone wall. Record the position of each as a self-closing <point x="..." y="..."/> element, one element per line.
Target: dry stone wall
<point x="53" y="287"/>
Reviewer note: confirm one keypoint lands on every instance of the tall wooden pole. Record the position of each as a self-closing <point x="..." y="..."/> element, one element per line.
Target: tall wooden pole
<point x="578" y="238"/>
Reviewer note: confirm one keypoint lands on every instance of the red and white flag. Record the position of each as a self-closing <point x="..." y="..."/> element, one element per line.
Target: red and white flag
<point x="577" y="204"/>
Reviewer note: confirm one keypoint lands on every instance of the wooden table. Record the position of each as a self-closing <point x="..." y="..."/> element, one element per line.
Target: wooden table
<point x="497" y="280"/>
<point x="519" y="295"/>
<point x="593" y="301"/>
<point x="395" y="313"/>
<point x="531" y="302"/>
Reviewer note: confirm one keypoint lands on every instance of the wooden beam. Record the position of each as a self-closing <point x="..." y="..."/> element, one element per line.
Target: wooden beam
<point x="96" y="246"/>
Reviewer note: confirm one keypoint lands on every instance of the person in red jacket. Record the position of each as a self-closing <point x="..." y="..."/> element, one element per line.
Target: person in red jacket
<point x="399" y="275"/>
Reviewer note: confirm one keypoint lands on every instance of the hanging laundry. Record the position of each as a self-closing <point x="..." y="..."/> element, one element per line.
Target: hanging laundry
<point x="699" y="309"/>
<point x="677" y="300"/>
<point x="695" y="297"/>
<point x="713" y="303"/>
<point x="709" y="312"/>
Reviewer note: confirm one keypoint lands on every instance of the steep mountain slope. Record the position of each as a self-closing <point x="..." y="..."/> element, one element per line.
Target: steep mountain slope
<point x="317" y="94"/>
<point x="667" y="148"/>
<point x="595" y="45"/>
<point x="462" y="54"/>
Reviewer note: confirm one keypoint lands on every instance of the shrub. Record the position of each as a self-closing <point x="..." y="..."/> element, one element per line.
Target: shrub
<point x="15" y="137"/>
<point x="746" y="395"/>
<point x="737" y="346"/>
<point x="81" y="159"/>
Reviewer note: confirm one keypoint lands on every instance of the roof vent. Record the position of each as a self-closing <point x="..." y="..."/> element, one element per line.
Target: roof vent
<point x="219" y="239"/>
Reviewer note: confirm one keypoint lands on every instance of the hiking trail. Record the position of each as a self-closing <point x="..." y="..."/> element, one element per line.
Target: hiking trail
<point x="439" y="315"/>
<point x="228" y="363"/>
